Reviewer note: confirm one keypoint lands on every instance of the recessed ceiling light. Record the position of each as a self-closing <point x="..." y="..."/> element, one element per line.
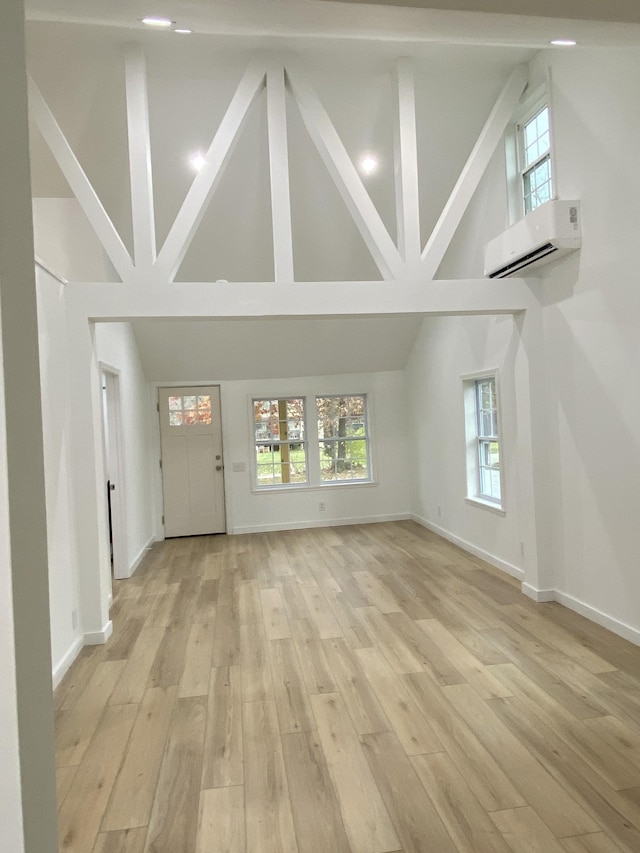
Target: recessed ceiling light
<point x="151" y="21"/>
<point x="183" y="32"/>
<point x="368" y="164"/>
<point x="564" y="43"/>
<point x="197" y="161"/>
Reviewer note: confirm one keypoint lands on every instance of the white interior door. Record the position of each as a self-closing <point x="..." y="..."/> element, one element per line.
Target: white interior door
<point x="114" y="471"/>
<point x="192" y="465"/>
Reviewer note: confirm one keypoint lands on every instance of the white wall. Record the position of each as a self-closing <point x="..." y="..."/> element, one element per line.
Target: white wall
<point x="446" y="349"/>
<point x="249" y="511"/>
<point x="592" y="329"/>
<point x="115" y="345"/>
<point x="66" y="637"/>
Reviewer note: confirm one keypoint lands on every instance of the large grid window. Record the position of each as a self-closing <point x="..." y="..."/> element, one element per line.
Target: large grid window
<point x="280" y="442"/>
<point x="488" y="441"/>
<point x="343" y="442"/>
<point x="535" y="160"/>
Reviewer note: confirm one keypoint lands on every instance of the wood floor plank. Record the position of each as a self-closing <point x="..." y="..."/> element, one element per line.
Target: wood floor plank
<point x="174" y="818"/>
<point x="74" y="730"/>
<point x="83" y="808"/>
<point x="321" y="613"/>
<point x="406" y="718"/>
<point x="466" y="821"/>
<point x="316" y="814"/>
<point x="376" y="593"/>
<point x="269" y="822"/>
<point x="557" y="808"/>
<point x="221" y="821"/>
<point x="122" y="841"/>
<point x="292" y="702"/>
<point x="135" y="676"/>
<point x="64" y="778"/>
<point x="257" y="685"/>
<point x="414" y="817"/>
<point x="274" y="615"/>
<point x="358" y="694"/>
<point x="595" y="842"/>
<point x="316" y="670"/>
<point x="222" y="762"/>
<point x="196" y="671"/>
<point x="523" y="830"/>
<point x="132" y="797"/>
<point x="367" y="822"/>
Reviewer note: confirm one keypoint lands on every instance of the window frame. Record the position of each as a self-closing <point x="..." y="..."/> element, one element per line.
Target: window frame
<point x="269" y="442"/>
<point x="474" y="441"/>
<point x="312" y="444"/>
<point x="532" y="105"/>
<point x="366" y="438"/>
<point x="525" y="168"/>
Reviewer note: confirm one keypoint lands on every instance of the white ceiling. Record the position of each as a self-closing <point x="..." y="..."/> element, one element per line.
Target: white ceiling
<point x="592" y="22"/>
<point x="197" y="350"/>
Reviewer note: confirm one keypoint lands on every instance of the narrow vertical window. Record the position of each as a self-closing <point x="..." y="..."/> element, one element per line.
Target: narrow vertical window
<point x="280" y="442"/>
<point x="535" y="160"/>
<point x="488" y="441"/>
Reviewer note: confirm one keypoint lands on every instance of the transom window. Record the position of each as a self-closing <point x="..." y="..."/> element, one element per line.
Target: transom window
<point x="189" y="410"/>
<point x="280" y="444"/>
<point x="535" y="159"/>
<point x="342" y="438"/>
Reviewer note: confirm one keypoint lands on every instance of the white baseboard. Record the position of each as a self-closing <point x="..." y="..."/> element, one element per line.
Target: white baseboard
<point x="503" y="565"/>
<point x="302" y="525"/>
<point x="97" y="638"/>
<point x="538" y="594"/>
<point x="63" y="666"/>
<point x="600" y="618"/>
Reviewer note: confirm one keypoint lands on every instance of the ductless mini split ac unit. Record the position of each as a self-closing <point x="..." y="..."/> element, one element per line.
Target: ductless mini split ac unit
<point x="547" y="233"/>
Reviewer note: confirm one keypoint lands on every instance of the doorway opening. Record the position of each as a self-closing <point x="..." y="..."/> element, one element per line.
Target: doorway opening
<point x="114" y="470"/>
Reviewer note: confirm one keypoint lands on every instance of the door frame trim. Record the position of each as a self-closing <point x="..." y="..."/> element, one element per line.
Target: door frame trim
<point x="121" y="567"/>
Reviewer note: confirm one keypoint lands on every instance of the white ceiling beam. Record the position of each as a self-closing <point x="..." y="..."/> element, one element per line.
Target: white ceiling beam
<point x="80" y="185"/>
<point x="142" y="210"/>
<point x="406" y="167"/>
<point x="472" y="172"/>
<point x="279" y="175"/>
<point x="204" y="184"/>
<point x="301" y="299"/>
<point x="339" y="165"/>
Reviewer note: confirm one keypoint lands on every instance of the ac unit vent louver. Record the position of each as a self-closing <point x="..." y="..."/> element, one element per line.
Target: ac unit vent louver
<point x="549" y="232"/>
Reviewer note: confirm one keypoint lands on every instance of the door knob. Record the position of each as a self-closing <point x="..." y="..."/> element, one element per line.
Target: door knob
<point x="218" y="467"/>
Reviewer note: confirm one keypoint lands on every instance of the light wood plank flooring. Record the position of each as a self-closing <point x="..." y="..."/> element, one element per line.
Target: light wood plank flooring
<point x="345" y="690"/>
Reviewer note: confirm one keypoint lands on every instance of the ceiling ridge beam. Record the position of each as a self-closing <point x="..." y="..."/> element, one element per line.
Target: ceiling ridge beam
<point x="204" y="184"/>
<point x="142" y="205"/>
<point x="80" y="184"/>
<point x="345" y="176"/>
<point x="406" y="168"/>
<point x="472" y="172"/>
<point x="279" y="174"/>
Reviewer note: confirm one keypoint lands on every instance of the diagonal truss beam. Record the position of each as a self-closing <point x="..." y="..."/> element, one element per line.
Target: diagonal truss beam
<point x="80" y="185"/>
<point x="406" y="167"/>
<point x="142" y="212"/>
<point x="204" y="184"/>
<point x="472" y="172"/>
<point x="338" y="163"/>
<point x="279" y="174"/>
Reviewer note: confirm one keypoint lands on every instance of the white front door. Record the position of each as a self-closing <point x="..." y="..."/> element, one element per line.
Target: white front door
<point x="192" y="466"/>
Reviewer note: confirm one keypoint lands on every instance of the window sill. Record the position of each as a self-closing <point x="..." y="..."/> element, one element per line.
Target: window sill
<point x="486" y="505"/>
<point x="306" y="487"/>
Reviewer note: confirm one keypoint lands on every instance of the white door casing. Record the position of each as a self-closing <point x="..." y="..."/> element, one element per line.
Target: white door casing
<point x="192" y="464"/>
<point x="114" y="468"/>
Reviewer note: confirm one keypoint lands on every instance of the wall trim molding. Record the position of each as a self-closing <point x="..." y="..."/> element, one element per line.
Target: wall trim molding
<point x="538" y="594"/>
<point x="627" y="632"/>
<point x="97" y="638"/>
<point x="64" y="664"/>
<point x="330" y="522"/>
<point x="503" y="565"/>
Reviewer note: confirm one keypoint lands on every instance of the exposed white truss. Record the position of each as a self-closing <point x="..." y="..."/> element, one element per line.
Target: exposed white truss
<point x="401" y="262"/>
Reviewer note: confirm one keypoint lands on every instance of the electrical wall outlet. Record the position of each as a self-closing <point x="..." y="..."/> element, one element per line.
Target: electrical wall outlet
<point x="439" y="511"/>
<point x="322" y="506"/>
